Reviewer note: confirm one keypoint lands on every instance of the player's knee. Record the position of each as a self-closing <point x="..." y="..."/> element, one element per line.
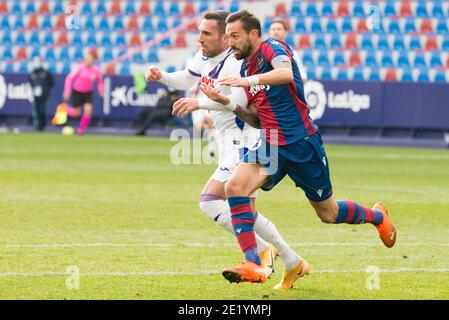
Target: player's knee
<point x="233" y="188"/>
<point x="209" y="208"/>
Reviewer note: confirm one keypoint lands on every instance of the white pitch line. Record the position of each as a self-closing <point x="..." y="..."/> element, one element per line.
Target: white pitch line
<point x="200" y="244"/>
<point x="202" y="272"/>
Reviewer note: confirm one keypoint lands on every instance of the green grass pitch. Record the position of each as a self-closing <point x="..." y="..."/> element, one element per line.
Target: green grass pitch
<point x="117" y="210"/>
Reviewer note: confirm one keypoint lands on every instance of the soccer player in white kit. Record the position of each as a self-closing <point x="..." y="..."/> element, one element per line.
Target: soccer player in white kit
<point x="214" y="61"/>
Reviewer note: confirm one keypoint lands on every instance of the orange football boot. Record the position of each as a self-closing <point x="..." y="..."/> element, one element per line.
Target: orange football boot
<point x="386" y="229"/>
<point x="267" y="258"/>
<point x="60" y="116"/>
<point x="246" y="271"/>
<point x="290" y="276"/>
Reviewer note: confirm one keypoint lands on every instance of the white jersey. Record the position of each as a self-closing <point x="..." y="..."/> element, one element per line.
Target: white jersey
<point x="232" y="133"/>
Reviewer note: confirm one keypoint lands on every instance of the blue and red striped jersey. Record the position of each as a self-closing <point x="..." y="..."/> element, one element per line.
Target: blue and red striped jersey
<point x="280" y="107"/>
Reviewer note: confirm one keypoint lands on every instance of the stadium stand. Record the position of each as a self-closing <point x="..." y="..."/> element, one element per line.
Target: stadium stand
<point x="411" y="39"/>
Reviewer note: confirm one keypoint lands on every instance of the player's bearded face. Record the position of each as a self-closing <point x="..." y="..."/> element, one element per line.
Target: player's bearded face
<point x="243" y="50"/>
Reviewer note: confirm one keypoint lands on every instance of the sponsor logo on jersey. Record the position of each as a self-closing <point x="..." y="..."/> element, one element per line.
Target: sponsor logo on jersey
<point x="255" y="89"/>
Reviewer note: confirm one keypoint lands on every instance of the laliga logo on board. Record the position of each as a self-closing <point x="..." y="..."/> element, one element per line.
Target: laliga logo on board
<point x="10" y="91"/>
<point x="3" y="91"/>
<point x="128" y="96"/>
<point x="316" y="98"/>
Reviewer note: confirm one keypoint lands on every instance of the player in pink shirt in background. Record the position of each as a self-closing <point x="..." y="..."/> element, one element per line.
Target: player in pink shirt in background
<point x="79" y="85"/>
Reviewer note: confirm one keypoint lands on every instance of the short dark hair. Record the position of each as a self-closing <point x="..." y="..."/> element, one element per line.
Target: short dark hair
<point x="281" y="22"/>
<point x="249" y="21"/>
<point x="219" y="16"/>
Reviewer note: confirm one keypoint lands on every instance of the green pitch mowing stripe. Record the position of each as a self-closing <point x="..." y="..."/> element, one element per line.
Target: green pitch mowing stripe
<point x="116" y="210"/>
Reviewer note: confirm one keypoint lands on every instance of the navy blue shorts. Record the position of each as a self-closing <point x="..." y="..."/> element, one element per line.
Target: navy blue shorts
<point x="304" y="161"/>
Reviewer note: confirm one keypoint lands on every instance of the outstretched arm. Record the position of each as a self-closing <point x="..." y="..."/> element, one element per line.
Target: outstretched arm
<point x="180" y="80"/>
<point x="281" y="74"/>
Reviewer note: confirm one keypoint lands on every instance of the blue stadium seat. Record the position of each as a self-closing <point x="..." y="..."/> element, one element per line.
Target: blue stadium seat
<point x="64" y="54"/>
<point x="130" y="8"/>
<point x="66" y="68"/>
<point x="174" y="9"/>
<point x="326" y="74"/>
<point x="78" y="54"/>
<point x="91" y="41"/>
<point x="120" y="40"/>
<point x="20" y="39"/>
<point x="358" y="9"/>
<point x="9" y="68"/>
<point x="50" y="55"/>
<point x="103" y="25"/>
<point x="347" y="25"/>
<point x="4" y="24"/>
<point x="101" y="7"/>
<point x="204" y="5"/>
<point x="319" y="41"/>
<point x="389" y="9"/>
<point x="440" y="77"/>
<point x="383" y="42"/>
<point x="125" y="69"/>
<point x="421" y="9"/>
<point x="307" y="59"/>
<point x="331" y="26"/>
<point x="335" y="41"/>
<point x="394" y="27"/>
<point x="23" y="67"/>
<point x="316" y="26"/>
<point x="86" y="8"/>
<point x="311" y="10"/>
<point x="410" y="26"/>
<point x="59" y="7"/>
<point x="419" y="61"/>
<point x="289" y="40"/>
<point x="107" y="54"/>
<point x="437" y="10"/>
<point x="48" y="39"/>
<point x="118" y="23"/>
<point x="358" y="74"/>
<point x="323" y="59"/>
<point x="295" y="10"/>
<point x="7" y="52"/>
<point x="399" y="43"/>
<point x="267" y="24"/>
<point x="7" y="39"/>
<point x="76" y="38"/>
<point x="106" y="39"/>
<point x="149" y="36"/>
<point x="16" y="9"/>
<point x="407" y="75"/>
<point x="339" y="58"/>
<point x="29" y="9"/>
<point x="19" y="24"/>
<point x="414" y="43"/>
<point x="89" y="25"/>
<point x="442" y="27"/>
<point x="138" y="58"/>
<point x="445" y="44"/>
<point x="403" y="59"/>
<point x="234" y="6"/>
<point x="159" y="9"/>
<point x="311" y="74"/>
<point x="370" y="59"/>
<point x="423" y="75"/>
<point x="162" y="25"/>
<point x="147" y="24"/>
<point x="387" y="60"/>
<point x="435" y="59"/>
<point x="300" y="26"/>
<point x="153" y="55"/>
<point x="46" y="22"/>
<point x="176" y="22"/>
<point x="170" y="69"/>
<point x="342" y="74"/>
<point x="367" y="42"/>
<point x="327" y="9"/>
<point x="374" y="75"/>
<point x="35" y="51"/>
<point x="166" y="42"/>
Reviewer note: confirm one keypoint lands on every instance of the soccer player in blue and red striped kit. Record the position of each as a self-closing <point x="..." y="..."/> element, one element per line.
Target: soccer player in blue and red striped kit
<point x="291" y="145"/>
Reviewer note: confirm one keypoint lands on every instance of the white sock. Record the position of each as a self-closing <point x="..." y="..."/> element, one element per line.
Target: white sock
<point x="219" y="211"/>
<point x="267" y="230"/>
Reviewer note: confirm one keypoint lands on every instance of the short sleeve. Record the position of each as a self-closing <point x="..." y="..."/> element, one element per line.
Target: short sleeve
<point x="275" y="52"/>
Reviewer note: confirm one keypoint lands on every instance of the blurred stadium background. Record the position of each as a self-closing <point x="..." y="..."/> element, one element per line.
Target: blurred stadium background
<point x="376" y="68"/>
